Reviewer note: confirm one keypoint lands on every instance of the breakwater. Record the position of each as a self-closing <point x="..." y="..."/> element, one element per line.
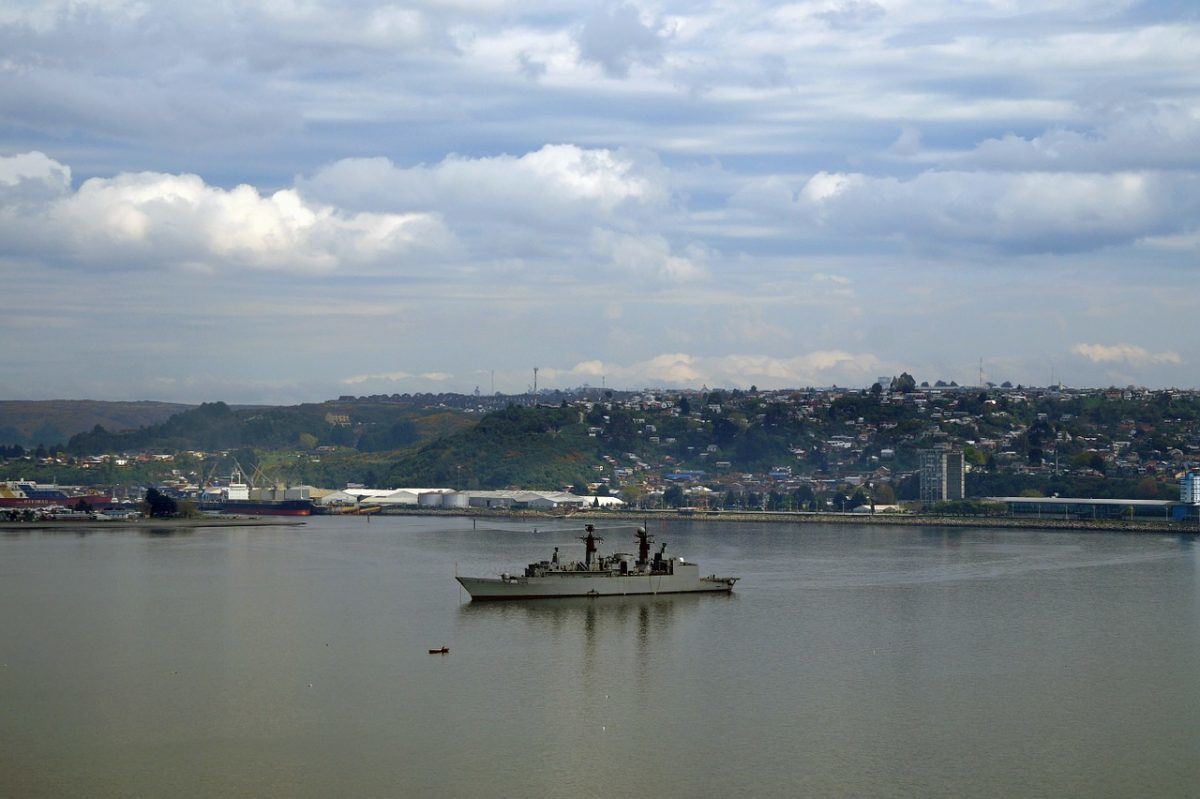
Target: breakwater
<point x="908" y="520"/>
<point x="852" y="519"/>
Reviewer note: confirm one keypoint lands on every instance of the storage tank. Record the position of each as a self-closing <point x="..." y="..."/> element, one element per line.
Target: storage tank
<point x="456" y="500"/>
<point x="430" y="499"/>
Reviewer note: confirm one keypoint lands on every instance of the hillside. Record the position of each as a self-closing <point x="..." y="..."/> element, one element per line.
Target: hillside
<point x="365" y="427"/>
<point x="544" y="448"/>
<point x="33" y="422"/>
<point x="1087" y="442"/>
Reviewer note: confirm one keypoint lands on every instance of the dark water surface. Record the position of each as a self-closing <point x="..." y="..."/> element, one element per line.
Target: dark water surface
<point x="282" y="662"/>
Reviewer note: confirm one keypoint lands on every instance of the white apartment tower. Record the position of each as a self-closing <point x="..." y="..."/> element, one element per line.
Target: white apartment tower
<point x="1189" y="488"/>
<point x="943" y="475"/>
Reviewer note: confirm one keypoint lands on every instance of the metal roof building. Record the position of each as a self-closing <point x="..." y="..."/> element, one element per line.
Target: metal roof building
<point x="1088" y="508"/>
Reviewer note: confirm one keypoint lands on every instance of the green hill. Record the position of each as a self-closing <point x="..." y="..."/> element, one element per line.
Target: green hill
<point x="366" y="427"/>
<point x="546" y="448"/>
<point x="33" y="422"/>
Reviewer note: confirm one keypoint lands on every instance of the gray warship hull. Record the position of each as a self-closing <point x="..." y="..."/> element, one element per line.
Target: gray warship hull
<point x="685" y="579"/>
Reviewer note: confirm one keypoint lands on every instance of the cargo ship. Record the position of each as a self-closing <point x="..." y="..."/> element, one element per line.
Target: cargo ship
<point x="242" y="499"/>
<point x="272" y="507"/>
<point x="23" y="494"/>
<point x="616" y="575"/>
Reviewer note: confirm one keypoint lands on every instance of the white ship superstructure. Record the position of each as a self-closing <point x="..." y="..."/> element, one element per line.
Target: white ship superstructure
<point x="616" y="575"/>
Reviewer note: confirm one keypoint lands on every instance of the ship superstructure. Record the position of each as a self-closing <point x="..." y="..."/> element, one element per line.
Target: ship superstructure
<point x="241" y="497"/>
<point x="619" y="574"/>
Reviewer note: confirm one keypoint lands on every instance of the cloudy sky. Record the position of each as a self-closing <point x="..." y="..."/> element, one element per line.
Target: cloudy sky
<point x="295" y="199"/>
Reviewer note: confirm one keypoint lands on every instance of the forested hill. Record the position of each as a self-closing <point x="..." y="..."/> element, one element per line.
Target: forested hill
<point x="367" y="427"/>
<point x="29" y="423"/>
<point x="535" y="448"/>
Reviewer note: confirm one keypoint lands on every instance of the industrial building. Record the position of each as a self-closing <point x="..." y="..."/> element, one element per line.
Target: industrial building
<point x="449" y="498"/>
<point x="1187" y="509"/>
<point x="1088" y="508"/>
<point x="1085" y="508"/>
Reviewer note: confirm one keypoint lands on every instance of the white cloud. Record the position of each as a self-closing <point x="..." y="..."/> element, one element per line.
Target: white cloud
<point x="32" y="178"/>
<point x="376" y="377"/>
<point x="1153" y="135"/>
<point x="155" y="219"/>
<point x="591" y="368"/>
<point x="1124" y="353"/>
<point x="820" y="367"/>
<point x="646" y="256"/>
<point x="581" y="214"/>
<point x="616" y="37"/>
<point x="34" y="166"/>
<point x="1016" y="212"/>
<point x="851" y="13"/>
<point x="559" y="209"/>
<point x="551" y="183"/>
<point x="393" y="381"/>
<point x="1178" y="242"/>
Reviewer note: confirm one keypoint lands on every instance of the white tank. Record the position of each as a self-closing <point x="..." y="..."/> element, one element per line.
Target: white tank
<point x="431" y="499"/>
<point x="456" y="500"/>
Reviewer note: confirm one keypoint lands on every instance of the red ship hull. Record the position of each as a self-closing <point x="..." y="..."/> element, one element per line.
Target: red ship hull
<point x="287" y="507"/>
<point x="97" y="501"/>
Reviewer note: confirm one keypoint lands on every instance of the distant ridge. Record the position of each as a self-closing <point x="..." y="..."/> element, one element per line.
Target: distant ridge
<point x="362" y="426"/>
<point x="33" y="422"/>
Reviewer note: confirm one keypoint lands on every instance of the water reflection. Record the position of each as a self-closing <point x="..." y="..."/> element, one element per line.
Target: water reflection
<point x="644" y="619"/>
<point x="614" y="608"/>
<point x="605" y="638"/>
<point x="165" y="532"/>
<point x="947" y="536"/>
<point x="84" y="530"/>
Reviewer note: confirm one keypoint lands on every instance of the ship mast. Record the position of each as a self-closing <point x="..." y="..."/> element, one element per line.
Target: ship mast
<point x="590" y="540"/>
<point x="643" y="539"/>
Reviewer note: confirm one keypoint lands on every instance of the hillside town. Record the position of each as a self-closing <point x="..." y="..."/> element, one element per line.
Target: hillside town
<point x="897" y="445"/>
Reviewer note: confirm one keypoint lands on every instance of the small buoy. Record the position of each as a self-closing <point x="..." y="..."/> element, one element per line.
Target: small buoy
<point x="310" y="685"/>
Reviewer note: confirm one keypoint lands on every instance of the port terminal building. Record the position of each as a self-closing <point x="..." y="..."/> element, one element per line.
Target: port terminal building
<point x="1186" y="509"/>
<point x="1087" y="508"/>
<point x="451" y="499"/>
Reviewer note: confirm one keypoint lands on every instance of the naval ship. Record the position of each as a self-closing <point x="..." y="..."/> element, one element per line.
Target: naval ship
<point x="616" y="575"/>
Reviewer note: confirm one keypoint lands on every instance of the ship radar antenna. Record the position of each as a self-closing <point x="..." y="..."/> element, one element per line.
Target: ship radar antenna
<point x="643" y="538"/>
<point x="590" y="540"/>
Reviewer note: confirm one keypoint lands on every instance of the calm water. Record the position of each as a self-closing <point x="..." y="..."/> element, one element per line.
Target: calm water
<point x="850" y="662"/>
